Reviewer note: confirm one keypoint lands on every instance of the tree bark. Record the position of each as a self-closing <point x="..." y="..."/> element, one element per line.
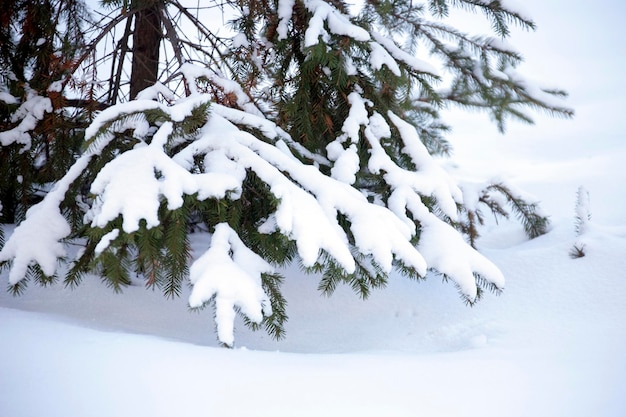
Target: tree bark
<point x="146" y="42"/>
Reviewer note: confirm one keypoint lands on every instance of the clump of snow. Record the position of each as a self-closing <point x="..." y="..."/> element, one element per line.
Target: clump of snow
<point x="338" y="23"/>
<point x="400" y="55"/>
<point x="239" y="40"/>
<point x="30" y="112"/>
<point x="105" y="241"/>
<point x="459" y="261"/>
<point x="346" y="165"/>
<point x="56" y="86"/>
<point x="346" y="161"/>
<point x="8" y="98"/>
<point x="132" y="185"/>
<point x="229" y="274"/>
<point x="284" y="12"/>
<point x="380" y="57"/>
<point x="36" y="240"/>
<point x="153" y="92"/>
<point x="194" y="72"/>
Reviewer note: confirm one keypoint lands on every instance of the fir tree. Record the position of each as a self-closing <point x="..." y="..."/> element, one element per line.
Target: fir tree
<point x="306" y="132"/>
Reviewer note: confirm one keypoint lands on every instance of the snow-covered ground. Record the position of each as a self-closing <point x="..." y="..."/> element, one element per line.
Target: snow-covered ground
<point x="553" y="344"/>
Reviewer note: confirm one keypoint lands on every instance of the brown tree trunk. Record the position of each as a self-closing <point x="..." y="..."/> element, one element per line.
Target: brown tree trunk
<point x="146" y="41"/>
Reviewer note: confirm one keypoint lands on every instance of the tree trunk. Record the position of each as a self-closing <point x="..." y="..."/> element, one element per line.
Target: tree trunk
<point x="146" y="42"/>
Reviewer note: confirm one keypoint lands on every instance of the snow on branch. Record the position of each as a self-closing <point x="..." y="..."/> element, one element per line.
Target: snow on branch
<point x="268" y="129"/>
<point x="384" y="51"/>
<point x="45" y="223"/>
<point x="429" y="178"/>
<point x="28" y="114"/>
<point x="548" y="99"/>
<point x="458" y="260"/>
<point x="193" y="73"/>
<point x="346" y="161"/>
<point x="442" y="246"/>
<point x="229" y="273"/>
<point x="101" y="131"/>
<point x="299" y="216"/>
<point x="338" y="23"/>
<point x="380" y="57"/>
<point x="153" y="93"/>
<point x="37" y="240"/>
<point x="133" y="184"/>
<point x="8" y="98"/>
<point x="399" y="55"/>
<point x="310" y="217"/>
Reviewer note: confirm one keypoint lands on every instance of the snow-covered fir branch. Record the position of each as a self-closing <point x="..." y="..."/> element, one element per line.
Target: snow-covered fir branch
<point x="305" y="131"/>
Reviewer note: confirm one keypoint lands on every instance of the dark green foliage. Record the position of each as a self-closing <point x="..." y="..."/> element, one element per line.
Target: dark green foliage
<point x="159" y="255"/>
<point x="368" y="276"/>
<point x="18" y="288"/>
<point x="527" y="213"/>
<point x="273" y="324"/>
<point x="38" y="42"/>
<point x="34" y="274"/>
<point x="15" y="196"/>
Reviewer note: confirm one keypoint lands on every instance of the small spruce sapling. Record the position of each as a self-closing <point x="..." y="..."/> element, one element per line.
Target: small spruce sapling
<point x="582" y="219"/>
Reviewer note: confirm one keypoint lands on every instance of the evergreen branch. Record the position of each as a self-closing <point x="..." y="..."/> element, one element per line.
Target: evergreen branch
<point x="121" y="122"/>
<point x="534" y="223"/>
<point x="367" y="276"/>
<point x="77" y="272"/>
<point x="499" y="15"/>
<point x="18" y="288"/>
<point x="275" y="323"/>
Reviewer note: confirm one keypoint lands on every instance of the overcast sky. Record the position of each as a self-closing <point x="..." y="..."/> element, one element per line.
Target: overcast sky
<point x="580" y="49"/>
<point x="579" y="46"/>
